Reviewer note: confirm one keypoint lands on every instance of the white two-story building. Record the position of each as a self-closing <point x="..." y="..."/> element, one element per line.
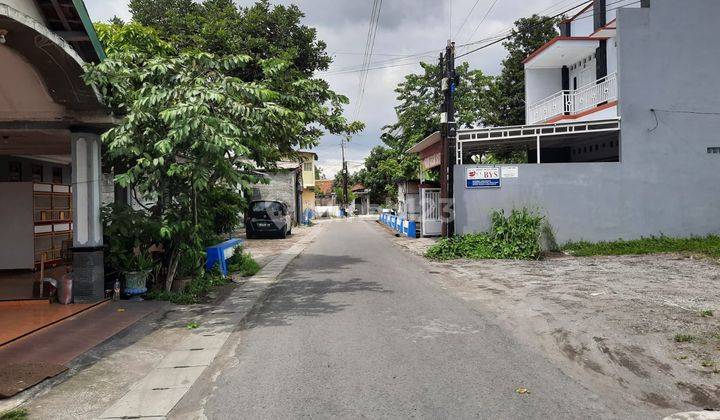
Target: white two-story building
<point x="622" y="116"/>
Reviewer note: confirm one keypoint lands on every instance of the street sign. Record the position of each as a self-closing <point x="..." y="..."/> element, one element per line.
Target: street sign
<point x="482" y="178"/>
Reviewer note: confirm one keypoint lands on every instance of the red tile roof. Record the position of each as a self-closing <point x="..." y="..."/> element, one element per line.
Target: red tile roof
<point x="324" y="186"/>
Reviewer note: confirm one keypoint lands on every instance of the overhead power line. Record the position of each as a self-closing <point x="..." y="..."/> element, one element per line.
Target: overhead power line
<point x="551" y="17"/>
<point x="483" y="19"/>
<point x="466" y="19"/>
<point x="369" y="48"/>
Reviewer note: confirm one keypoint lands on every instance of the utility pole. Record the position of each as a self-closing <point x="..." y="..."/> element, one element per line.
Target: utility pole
<point x="448" y="132"/>
<point x="345" y="174"/>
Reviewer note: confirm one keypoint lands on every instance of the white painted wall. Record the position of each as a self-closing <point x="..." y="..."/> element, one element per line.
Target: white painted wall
<point x="589" y="65"/>
<point x="539" y="84"/>
<point x="614" y="5"/>
<point x="26" y="6"/>
<point x="583" y="24"/>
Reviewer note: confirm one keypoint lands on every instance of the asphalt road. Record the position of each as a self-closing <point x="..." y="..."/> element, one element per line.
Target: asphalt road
<point x="357" y="329"/>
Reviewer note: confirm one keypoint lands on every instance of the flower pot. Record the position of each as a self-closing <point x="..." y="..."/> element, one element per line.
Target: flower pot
<point x="136" y="282"/>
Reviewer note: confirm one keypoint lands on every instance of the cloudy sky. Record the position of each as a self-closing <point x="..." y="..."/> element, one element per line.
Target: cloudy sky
<point x="406" y="27"/>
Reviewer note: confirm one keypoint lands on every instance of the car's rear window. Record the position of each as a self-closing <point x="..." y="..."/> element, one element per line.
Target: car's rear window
<point x="266" y="206"/>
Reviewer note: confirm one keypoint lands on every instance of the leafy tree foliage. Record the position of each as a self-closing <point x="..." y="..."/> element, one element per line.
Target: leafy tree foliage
<point x="261" y="31"/>
<point x="417" y="113"/>
<point x="527" y="36"/>
<point x="193" y="132"/>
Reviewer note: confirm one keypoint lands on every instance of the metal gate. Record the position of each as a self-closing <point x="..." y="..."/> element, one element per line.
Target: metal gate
<point x="431" y="217"/>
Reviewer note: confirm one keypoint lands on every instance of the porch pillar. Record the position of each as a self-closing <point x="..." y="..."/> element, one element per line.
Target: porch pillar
<point x="88" y="273"/>
<point x="538" y="149"/>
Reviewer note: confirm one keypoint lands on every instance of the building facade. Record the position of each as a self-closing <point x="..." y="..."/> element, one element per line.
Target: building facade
<point x="308" y="160"/>
<point x="621" y="129"/>
<point x="50" y="126"/>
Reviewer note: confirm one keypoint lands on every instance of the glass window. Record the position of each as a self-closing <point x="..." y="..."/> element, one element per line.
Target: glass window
<point x="307" y="166"/>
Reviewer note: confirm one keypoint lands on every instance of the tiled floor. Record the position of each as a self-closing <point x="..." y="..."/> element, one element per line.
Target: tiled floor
<point x="23" y="317"/>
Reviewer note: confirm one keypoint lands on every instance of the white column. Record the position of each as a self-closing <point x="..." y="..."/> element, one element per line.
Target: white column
<point x="86" y="182"/>
<point x="538" y="149"/>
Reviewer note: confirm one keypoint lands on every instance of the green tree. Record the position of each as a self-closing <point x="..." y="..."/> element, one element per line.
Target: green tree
<point x="261" y="31"/>
<point x="527" y="36"/>
<point x="417" y="113"/>
<point x="192" y="130"/>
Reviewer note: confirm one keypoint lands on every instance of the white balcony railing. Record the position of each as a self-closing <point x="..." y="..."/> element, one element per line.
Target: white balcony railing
<point x="571" y="102"/>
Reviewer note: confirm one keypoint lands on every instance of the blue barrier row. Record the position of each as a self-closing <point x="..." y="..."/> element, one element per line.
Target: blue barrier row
<point x="400" y="225"/>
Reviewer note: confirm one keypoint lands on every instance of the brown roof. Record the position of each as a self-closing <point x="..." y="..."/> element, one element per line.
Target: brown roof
<point x="324" y="186"/>
<point x="358" y="187"/>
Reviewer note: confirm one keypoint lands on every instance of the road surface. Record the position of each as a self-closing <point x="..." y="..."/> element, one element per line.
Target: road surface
<point x="357" y="328"/>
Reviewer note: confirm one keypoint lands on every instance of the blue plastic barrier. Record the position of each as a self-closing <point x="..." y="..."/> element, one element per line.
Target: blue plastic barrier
<point x="398" y="224"/>
<point x="220" y="253"/>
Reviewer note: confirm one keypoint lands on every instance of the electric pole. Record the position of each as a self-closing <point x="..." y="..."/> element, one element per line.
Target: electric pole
<point x="345" y="175"/>
<point x="448" y="132"/>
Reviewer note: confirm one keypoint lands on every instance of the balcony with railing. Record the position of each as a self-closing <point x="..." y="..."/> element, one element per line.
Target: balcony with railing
<point x="573" y="102"/>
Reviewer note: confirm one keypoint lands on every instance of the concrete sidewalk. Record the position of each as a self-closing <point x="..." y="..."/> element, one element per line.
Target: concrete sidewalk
<point x="145" y="373"/>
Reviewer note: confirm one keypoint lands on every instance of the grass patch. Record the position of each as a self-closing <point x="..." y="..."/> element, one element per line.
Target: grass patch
<point x="707" y="363"/>
<point x="243" y="263"/>
<point x="706" y="313"/>
<point x="708" y="245"/>
<point x="684" y="338"/>
<point x="17" y="414"/>
<point x="513" y="237"/>
<point x="194" y="292"/>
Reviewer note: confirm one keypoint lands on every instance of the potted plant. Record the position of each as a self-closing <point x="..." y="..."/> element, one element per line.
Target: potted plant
<point x="129" y="236"/>
<point x="137" y="266"/>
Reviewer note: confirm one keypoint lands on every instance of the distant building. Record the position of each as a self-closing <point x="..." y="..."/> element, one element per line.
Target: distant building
<point x="324" y="194"/>
<point x="308" y="179"/>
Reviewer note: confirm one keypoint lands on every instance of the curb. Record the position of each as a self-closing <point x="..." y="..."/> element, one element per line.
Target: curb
<point x="164" y="386"/>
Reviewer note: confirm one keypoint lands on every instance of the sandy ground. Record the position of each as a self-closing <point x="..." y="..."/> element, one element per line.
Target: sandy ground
<point x="608" y="321"/>
<point x="265" y="249"/>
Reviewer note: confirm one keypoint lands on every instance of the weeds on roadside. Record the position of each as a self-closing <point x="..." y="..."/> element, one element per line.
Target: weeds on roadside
<point x="684" y="338"/>
<point x="706" y="313"/>
<point x="708" y="245"/>
<point x="243" y="263"/>
<point x="17" y="414"/>
<point x="194" y="292"/>
<point x="513" y="237"/>
<point x="707" y="363"/>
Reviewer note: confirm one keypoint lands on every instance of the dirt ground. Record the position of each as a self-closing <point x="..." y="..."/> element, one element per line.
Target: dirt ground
<point x="265" y="249"/>
<point x="610" y="322"/>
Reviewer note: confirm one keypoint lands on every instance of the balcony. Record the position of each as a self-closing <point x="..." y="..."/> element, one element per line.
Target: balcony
<point x="574" y="102"/>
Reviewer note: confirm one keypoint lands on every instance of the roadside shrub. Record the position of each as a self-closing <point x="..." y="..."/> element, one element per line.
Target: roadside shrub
<point x="194" y="292"/>
<point x="513" y="237"/>
<point x="243" y="263"/>
<point x="17" y="414"/>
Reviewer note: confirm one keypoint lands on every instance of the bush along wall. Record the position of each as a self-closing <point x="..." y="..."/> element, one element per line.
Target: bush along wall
<point x="516" y="236"/>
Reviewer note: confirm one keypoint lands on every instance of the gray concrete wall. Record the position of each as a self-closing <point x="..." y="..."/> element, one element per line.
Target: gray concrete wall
<point x="282" y="187"/>
<point x="17" y="246"/>
<point x="666" y="182"/>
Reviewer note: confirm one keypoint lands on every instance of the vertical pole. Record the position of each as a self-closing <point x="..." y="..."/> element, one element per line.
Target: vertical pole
<point x="538" y="149"/>
<point x="345" y="178"/>
<point x="448" y="134"/>
<point x="452" y="135"/>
